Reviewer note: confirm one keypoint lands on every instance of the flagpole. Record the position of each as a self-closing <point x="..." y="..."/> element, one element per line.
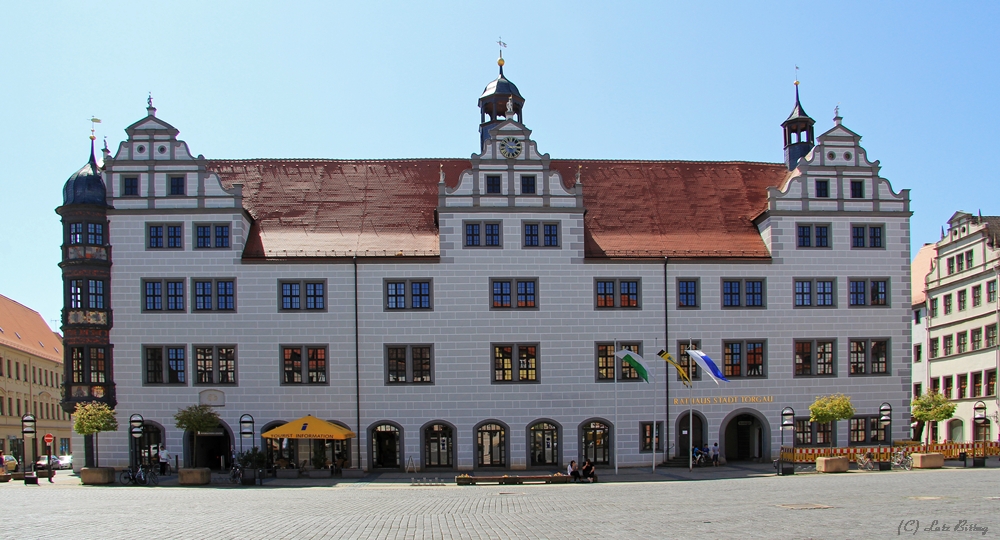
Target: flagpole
<point x="690" y="416"/>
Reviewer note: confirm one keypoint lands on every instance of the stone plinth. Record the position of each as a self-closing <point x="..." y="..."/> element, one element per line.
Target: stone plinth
<point x="928" y="461"/>
<point x="96" y="476"/>
<point x="832" y="464"/>
<point x="194" y="477"/>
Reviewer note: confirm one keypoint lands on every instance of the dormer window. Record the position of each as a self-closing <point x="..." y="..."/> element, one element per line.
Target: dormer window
<point x="857" y="189"/>
<point x="492" y="185"/>
<point x="130" y="186"/>
<point x="822" y="189"/>
<point x="528" y="185"/>
<point x="177" y="185"/>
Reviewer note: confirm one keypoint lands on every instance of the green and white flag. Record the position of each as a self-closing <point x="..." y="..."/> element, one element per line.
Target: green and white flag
<point x="636" y="361"/>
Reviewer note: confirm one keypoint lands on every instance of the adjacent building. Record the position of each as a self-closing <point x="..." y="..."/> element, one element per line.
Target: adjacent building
<point x="31" y="373"/>
<point x="464" y="313"/>
<point x="959" y="331"/>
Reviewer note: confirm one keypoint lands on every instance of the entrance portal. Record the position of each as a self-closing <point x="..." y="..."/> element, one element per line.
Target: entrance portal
<point x="385" y="447"/>
<point x="744" y="439"/>
<point x="684" y="439"/>
<point x="212" y="449"/>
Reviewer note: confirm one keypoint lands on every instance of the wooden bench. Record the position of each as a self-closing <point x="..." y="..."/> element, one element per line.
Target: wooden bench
<point x="512" y="479"/>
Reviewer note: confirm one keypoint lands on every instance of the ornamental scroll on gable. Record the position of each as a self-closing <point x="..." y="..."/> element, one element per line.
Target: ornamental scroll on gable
<point x="836" y="175"/>
<point x="511" y="172"/>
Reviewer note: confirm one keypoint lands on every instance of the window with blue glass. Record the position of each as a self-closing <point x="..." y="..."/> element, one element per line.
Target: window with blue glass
<point x="867" y="236"/>
<point x="170" y="372"/>
<point x="158" y="294"/>
<point x="870" y="292"/>
<point x="813" y="235"/>
<point x="222" y="236"/>
<point x="154" y="296"/>
<point x="95" y="234"/>
<point x="822" y="188"/>
<point x="225" y="295"/>
<point x="617" y="293"/>
<point x="551" y="231"/>
<point x="405" y="294"/>
<point x="731" y="296"/>
<point x="174" y="236"/>
<point x="156" y="236"/>
<point x="204" y="239"/>
<point x="209" y="236"/>
<point x="472" y="238"/>
<point x="530" y="234"/>
<point x="217" y="295"/>
<point x="687" y="293"/>
<point x="95" y="294"/>
<point x="501" y="294"/>
<point x="315" y="295"/>
<point x="814" y="293"/>
<point x="742" y="293"/>
<point x="754" y="292"/>
<point x="75" y="233"/>
<point x="492" y="234"/>
<point x="858" y="294"/>
<point x="290" y="296"/>
<point x="803" y="293"/>
<point x="175" y="296"/>
<point x="480" y="234"/>
<point x="525" y="294"/>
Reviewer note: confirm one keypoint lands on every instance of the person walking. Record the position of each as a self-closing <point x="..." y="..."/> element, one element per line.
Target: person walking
<point x="715" y="455"/>
<point x="164" y="460"/>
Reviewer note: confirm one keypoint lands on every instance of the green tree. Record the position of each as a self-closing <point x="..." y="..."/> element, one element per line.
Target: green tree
<point x="197" y="418"/>
<point x="931" y="407"/>
<point x="92" y="418"/>
<point x="831" y="409"/>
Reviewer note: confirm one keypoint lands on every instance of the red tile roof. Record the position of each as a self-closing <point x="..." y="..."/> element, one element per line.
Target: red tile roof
<point x="24" y="329"/>
<point x="386" y="207"/>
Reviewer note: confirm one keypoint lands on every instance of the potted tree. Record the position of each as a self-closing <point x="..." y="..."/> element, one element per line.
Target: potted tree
<point x="91" y="419"/>
<point x="319" y="461"/>
<point x="832" y="408"/>
<point x="196" y="418"/>
<point x="930" y="407"/>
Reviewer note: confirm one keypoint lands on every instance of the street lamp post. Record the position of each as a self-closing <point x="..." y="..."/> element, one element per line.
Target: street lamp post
<point x="979" y="415"/>
<point x="28" y="432"/>
<point x="884" y="421"/>
<point x="135" y="423"/>
<point x="246" y="432"/>
<point x="787" y="424"/>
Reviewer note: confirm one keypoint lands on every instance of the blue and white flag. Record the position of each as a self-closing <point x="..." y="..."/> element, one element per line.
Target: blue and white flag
<point x="707" y="364"/>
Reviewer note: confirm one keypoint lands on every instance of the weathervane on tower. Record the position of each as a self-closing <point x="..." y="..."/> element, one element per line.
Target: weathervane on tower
<point x="502" y="47"/>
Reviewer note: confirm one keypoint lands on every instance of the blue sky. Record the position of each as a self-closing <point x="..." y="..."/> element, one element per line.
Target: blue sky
<point x="712" y="81"/>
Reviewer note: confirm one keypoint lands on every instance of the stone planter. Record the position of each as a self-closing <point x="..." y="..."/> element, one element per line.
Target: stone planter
<point x="249" y="477"/>
<point x="194" y="477"/>
<point x="832" y="464"/>
<point x="352" y="473"/>
<point x="928" y="461"/>
<point x="286" y="473"/>
<point x="319" y="473"/>
<point x="97" y="476"/>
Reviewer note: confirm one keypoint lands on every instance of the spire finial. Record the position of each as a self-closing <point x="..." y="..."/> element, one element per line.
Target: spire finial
<point x="93" y="121"/>
<point x="149" y="100"/>
<point x="502" y="47"/>
<point x="836" y="115"/>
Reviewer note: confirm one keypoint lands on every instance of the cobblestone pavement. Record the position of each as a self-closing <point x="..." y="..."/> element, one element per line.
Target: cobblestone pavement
<point x="729" y="502"/>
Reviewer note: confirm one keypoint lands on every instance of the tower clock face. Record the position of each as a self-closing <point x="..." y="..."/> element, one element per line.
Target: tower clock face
<point x="511" y="147"/>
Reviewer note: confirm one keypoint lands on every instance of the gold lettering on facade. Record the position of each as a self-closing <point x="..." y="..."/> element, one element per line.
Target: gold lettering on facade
<point x="717" y="400"/>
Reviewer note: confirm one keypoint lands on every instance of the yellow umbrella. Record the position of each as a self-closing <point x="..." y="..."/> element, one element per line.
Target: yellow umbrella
<point x="309" y="427"/>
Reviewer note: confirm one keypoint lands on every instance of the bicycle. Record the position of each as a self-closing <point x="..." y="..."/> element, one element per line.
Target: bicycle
<point x="866" y="462"/>
<point x="902" y="460"/>
<point x="141" y="476"/>
<point x="236" y="474"/>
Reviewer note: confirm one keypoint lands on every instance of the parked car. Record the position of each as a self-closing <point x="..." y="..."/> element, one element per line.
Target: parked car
<point x="66" y="461"/>
<point x="43" y="463"/>
<point x="10" y="463"/>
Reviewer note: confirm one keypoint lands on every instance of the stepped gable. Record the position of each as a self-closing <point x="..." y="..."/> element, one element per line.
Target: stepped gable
<point x="339" y="208"/>
<point x="673" y="208"/>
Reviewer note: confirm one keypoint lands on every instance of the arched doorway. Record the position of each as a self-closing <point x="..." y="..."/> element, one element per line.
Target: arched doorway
<point x="745" y="436"/>
<point x="956" y="430"/>
<point x="596" y="442"/>
<point x="281" y="453"/>
<point x="684" y="431"/>
<point x="491" y="445"/>
<point x="213" y="448"/>
<point x="439" y="446"/>
<point x="386" y="440"/>
<point x="149" y="443"/>
<point x="543" y="444"/>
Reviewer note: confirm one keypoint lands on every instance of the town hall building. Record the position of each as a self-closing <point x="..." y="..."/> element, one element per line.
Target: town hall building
<point x="464" y="314"/>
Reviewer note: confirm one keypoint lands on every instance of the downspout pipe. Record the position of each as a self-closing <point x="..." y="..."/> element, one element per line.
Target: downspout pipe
<point x="357" y="365"/>
<point x="666" y="380"/>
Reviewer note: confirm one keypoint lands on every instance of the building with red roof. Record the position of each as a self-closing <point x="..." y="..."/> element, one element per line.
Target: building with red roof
<point x="465" y="314"/>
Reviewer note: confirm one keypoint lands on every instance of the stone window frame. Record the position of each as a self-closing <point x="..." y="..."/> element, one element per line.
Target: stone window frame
<point x="305" y="371"/>
<point x="616" y="293"/>
<point x="515" y="369"/>
<point x="165" y="370"/>
<point x="514" y="293"/>
<point x="407" y="295"/>
<point x="214" y="294"/>
<point x="814" y="346"/>
<point x="303" y="296"/>
<point x="215" y="237"/>
<point x="408" y="360"/>
<point x="216" y="364"/>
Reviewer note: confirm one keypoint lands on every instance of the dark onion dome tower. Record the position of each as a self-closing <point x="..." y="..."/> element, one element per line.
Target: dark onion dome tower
<point x="493" y="104"/>
<point x="86" y="271"/>
<point x="799" y="139"/>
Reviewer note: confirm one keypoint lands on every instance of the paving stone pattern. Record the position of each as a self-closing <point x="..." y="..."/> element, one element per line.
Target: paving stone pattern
<point x="735" y="503"/>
